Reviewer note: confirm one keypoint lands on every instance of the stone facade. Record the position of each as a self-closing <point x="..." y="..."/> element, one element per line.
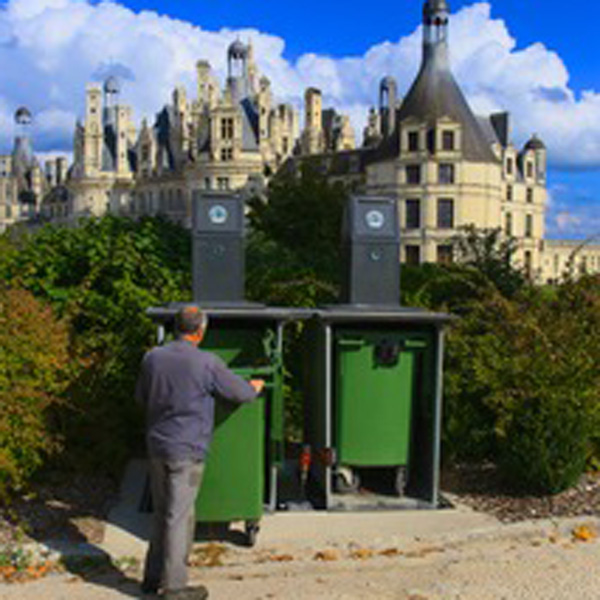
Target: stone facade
<point x="23" y="183"/>
<point x="224" y="140"/>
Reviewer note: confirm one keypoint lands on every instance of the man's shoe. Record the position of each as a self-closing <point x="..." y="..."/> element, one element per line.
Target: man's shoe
<point x="189" y="593"/>
<point x="149" y="587"/>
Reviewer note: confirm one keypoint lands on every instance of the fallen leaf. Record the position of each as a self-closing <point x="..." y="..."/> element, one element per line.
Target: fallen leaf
<point x="361" y="554"/>
<point x="327" y="555"/>
<point x="280" y="558"/>
<point x="210" y="555"/>
<point x="390" y="552"/>
<point x="583" y="533"/>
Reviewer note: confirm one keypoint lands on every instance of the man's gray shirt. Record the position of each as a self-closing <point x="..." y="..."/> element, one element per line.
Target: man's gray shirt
<point x="177" y="386"/>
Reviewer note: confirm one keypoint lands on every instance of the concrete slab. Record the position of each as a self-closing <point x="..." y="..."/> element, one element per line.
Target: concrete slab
<point x="127" y="528"/>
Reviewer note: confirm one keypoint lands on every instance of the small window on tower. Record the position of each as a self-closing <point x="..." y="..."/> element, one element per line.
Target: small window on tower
<point x="529" y="169"/>
<point x="412" y="255"/>
<point x="413" y="213"/>
<point x="529" y="195"/>
<point x="445" y="213"/>
<point x="446" y="173"/>
<point x="413" y="174"/>
<point x="528" y="226"/>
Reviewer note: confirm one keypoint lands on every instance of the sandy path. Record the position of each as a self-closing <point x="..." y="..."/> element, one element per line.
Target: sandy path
<point x="553" y="568"/>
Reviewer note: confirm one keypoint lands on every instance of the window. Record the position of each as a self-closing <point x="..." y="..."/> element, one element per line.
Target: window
<point x="509" y="193"/>
<point x="448" y="140"/>
<point x="227" y="128"/>
<point x="226" y="154"/>
<point x="207" y="184"/>
<point x="528" y="263"/>
<point x="413" y="141"/>
<point x="509" y="166"/>
<point x="413" y="174"/>
<point x="222" y="183"/>
<point x="529" y="195"/>
<point x="285" y="145"/>
<point x="445" y="213"/>
<point x="528" y="226"/>
<point x="413" y="214"/>
<point x="446" y="173"/>
<point x="508" y="224"/>
<point x="445" y="255"/>
<point x="9" y="211"/>
<point x="413" y="255"/>
<point x="529" y="169"/>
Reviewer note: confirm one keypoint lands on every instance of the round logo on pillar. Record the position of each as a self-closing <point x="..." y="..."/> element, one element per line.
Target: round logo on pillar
<point x="375" y="219"/>
<point x="218" y="214"/>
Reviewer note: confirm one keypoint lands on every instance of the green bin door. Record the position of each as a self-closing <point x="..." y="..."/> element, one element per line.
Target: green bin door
<point x="373" y="399"/>
<point x="233" y="484"/>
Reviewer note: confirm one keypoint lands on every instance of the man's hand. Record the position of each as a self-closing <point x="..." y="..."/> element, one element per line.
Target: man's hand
<point x="257" y="384"/>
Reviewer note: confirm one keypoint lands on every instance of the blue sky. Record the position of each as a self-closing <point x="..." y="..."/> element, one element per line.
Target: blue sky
<point x="535" y="59"/>
<point x="349" y="28"/>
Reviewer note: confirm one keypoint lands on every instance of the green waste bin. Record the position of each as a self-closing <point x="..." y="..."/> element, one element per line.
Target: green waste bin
<point x="247" y="447"/>
<point x="374" y="410"/>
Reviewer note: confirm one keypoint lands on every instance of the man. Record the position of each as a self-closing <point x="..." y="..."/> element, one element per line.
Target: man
<point x="177" y="386"/>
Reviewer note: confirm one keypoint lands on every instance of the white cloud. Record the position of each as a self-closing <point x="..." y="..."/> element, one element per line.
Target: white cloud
<point x="50" y="49"/>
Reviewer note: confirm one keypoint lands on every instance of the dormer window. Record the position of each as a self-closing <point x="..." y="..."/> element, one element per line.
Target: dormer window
<point x="413" y="141"/>
<point x="227" y="128"/>
<point x="448" y="141"/>
<point x="509" y="166"/>
<point x="529" y="169"/>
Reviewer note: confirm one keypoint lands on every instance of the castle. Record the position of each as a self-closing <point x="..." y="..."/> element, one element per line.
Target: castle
<point x="444" y="165"/>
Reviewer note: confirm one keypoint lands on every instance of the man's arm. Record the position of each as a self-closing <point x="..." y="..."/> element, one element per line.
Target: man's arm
<point x="231" y="386"/>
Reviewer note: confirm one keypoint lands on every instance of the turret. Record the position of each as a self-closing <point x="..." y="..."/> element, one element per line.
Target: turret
<point x="435" y="29"/>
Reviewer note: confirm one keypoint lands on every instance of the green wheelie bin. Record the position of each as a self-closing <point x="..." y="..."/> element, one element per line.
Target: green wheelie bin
<point x="374" y="416"/>
<point x="246" y="452"/>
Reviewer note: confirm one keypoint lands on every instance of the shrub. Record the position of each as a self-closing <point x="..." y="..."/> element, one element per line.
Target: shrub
<point x="102" y="276"/>
<point x="523" y="385"/>
<point x="545" y="446"/>
<point x="34" y="374"/>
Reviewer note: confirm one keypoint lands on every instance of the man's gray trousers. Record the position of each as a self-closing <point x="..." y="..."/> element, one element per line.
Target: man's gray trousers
<point x="174" y="485"/>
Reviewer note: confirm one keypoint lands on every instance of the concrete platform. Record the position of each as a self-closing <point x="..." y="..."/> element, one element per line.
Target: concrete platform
<point x="127" y="528"/>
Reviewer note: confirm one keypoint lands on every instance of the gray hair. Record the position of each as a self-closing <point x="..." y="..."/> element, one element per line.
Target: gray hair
<point x="190" y="319"/>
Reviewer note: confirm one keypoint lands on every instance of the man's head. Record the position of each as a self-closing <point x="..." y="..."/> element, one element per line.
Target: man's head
<point x="190" y="323"/>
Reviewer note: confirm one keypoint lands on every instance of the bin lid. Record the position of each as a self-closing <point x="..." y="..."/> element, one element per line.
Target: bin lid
<point x="373" y="313"/>
<point x="242" y="310"/>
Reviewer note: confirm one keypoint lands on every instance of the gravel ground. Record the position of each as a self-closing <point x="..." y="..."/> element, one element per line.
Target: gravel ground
<point x="64" y="508"/>
<point x="481" y="488"/>
<point x="553" y="567"/>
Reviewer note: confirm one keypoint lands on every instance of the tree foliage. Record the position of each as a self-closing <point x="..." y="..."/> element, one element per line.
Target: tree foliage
<point x="35" y="369"/>
<point x="294" y="249"/>
<point x="101" y="277"/>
